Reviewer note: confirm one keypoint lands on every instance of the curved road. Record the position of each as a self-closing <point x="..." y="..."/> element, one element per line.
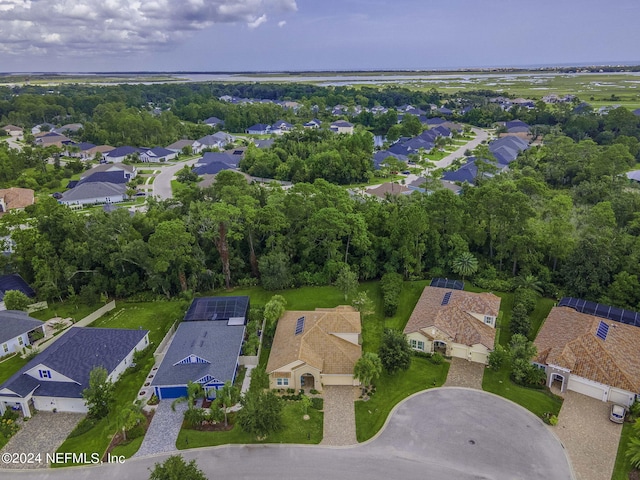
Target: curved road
<point x="162" y="183"/>
<point x="444" y="433"/>
<point x="481" y="135"/>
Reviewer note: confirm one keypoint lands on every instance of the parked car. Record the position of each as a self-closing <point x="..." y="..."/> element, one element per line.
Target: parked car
<point x="617" y="413"/>
<point x="406" y="172"/>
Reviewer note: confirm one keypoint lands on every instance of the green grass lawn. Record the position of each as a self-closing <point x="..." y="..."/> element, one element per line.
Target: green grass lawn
<point x="65" y="310"/>
<point x="296" y="430"/>
<point x="622" y="466"/>
<point x="157" y="317"/>
<point x="392" y="389"/>
<point x="539" y="314"/>
<point x="11" y="366"/>
<point x="537" y="401"/>
<point x="129" y="449"/>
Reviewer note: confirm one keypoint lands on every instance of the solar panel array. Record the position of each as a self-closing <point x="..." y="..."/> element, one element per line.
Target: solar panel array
<point x="447" y="283"/>
<point x="446" y="298"/>
<point x="604" y="311"/>
<point x="300" y="326"/>
<point x="217" y="308"/>
<point x="15" y="282"/>
<point x="603" y="330"/>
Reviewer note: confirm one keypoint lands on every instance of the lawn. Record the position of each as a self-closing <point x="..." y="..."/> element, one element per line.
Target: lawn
<point x="296" y="430"/>
<point x="66" y="310"/>
<point x="622" y="466"/>
<point x="537" y="401"/>
<point x="539" y="314"/>
<point x="11" y="366"/>
<point x="129" y="449"/>
<point x="157" y="317"/>
<point x="392" y="389"/>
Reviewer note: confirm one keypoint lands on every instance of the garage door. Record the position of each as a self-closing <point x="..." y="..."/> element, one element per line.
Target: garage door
<point x="337" y="380"/>
<point x="171" y="392"/>
<point x="620" y="397"/>
<point x="591" y="389"/>
<point x="480" y="357"/>
<point x="459" y="351"/>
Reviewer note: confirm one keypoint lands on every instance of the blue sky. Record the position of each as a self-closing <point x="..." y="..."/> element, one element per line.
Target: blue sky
<point x="274" y="35"/>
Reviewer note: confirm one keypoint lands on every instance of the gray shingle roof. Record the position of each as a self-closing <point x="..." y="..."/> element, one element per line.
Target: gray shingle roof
<point x="93" y="190"/>
<point x="216" y="342"/>
<point x="14" y="323"/>
<point x="74" y="355"/>
<point x="15" y="282"/>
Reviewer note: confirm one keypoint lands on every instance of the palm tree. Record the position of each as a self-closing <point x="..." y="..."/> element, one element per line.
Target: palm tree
<point x="129" y="417"/>
<point x="529" y="282"/>
<point x="194" y="391"/>
<point x="633" y="451"/>
<point x="367" y="368"/>
<point x="465" y="264"/>
<point x="227" y="397"/>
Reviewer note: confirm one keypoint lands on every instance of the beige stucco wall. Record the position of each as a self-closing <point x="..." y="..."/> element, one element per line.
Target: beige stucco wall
<point x="428" y="348"/>
<point x="295" y="374"/>
<point x="480" y="317"/>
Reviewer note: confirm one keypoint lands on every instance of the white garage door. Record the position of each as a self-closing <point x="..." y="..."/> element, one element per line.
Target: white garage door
<point x="337" y="379"/>
<point x="459" y="351"/>
<point x="480" y="357"/>
<point x="621" y="397"/>
<point x="585" y="387"/>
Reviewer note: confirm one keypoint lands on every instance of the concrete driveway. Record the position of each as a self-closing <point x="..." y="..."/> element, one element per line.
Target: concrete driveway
<point x="445" y="433"/>
<point x="588" y="435"/>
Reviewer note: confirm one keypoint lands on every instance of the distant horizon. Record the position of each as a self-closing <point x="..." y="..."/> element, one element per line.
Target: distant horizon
<point x="462" y="69"/>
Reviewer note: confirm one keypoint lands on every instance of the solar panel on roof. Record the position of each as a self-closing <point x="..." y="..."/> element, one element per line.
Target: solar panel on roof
<point x="300" y="326"/>
<point x="447" y="283"/>
<point x="446" y="298"/>
<point x="603" y="330"/>
<point x="599" y="310"/>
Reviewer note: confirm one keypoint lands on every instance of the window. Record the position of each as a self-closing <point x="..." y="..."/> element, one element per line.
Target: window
<point x="45" y="373"/>
<point x="282" y="382"/>
<point x="413" y="343"/>
<point x="20" y="341"/>
<point x="416" y="344"/>
<point x="421" y="346"/>
<point x="5" y="347"/>
<point x="488" y="320"/>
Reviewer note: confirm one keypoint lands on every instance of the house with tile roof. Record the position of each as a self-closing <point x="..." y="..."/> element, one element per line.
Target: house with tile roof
<point x="15" y="198"/>
<point x="12" y="131"/>
<point x="16" y="330"/>
<point x="56" y="377"/>
<point x="179" y="146"/>
<point x="312" y="349"/>
<point x="589" y="354"/>
<point x="455" y="323"/>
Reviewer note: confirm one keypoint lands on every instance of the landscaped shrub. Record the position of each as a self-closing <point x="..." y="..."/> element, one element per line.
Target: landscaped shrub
<point x="84" y="426"/>
<point x="528" y="298"/>
<point x="135" y="432"/>
<point x="317" y="403"/>
<point x="419" y="354"/>
<point x="153" y="400"/>
<point x="313" y="391"/>
<point x="437" y="359"/>
<point x="520" y="322"/>
<point x="391" y="286"/>
<point x="495" y="285"/>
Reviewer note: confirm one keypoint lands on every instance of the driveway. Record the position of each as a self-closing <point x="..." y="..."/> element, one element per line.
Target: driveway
<point x="445" y="433"/>
<point x="162" y="183"/>
<point x="164" y="429"/>
<point x="339" y="426"/>
<point x="43" y="434"/>
<point x="588" y="435"/>
<point x="463" y="373"/>
<point x="481" y="135"/>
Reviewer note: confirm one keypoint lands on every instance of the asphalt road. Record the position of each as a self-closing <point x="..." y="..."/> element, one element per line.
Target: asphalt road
<point x="162" y="183"/>
<point x="481" y="135"/>
<point x="446" y="433"/>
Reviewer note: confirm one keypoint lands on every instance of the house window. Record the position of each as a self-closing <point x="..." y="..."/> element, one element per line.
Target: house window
<point x="45" y="373"/>
<point x="488" y="320"/>
<point x="282" y="382"/>
<point x="5" y="347"/>
<point x="421" y="346"/>
<point x="413" y="343"/>
<point x="20" y="341"/>
<point x="416" y="344"/>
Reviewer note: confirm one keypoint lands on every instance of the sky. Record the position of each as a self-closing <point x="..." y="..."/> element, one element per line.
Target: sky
<point x="281" y="35"/>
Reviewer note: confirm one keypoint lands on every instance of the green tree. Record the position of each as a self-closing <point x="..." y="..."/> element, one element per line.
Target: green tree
<point x="99" y="394"/>
<point x="391" y="286"/>
<point x="497" y="357"/>
<point x="261" y="413"/>
<point x="520" y="322"/>
<point x="305" y="401"/>
<point x="363" y="303"/>
<point x="347" y="282"/>
<point x="273" y="310"/>
<point x="395" y="352"/>
<point x="16" y="300"/>
<point x="129" y="417"/>
<point x="227" y="397"/>
<point x="274" y="271"/>
<point x="465" y="264"/>
<point x="367" y="369"/>
<point x="175" y="468"/>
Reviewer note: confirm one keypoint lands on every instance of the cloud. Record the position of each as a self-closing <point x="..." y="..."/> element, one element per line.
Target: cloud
<point x="258" y="21"/>
<point x="115" y="27"/>
<point x="282" y="23"/>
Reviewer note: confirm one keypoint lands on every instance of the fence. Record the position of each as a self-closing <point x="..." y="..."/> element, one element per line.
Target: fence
<point x="36" y="307"/>
<point x="165" y="341"/>
<point x="92" y="317"/>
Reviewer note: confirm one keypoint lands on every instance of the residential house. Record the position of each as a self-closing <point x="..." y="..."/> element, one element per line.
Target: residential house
<point x="264" y="143"/>
<point x="342" y="126"/>
<point x="312" y="349"/>
<point x="313" y="123"/>
<point x="634" y="175"/>
<point x="68" y="128"/>
<point x="455" y="323"/>
<point x="516" y="126"/>
<point x="281" y="127"/>
<point x="388" y="188"/>
<point x="99" y="151"/>
<point x="42" y="127"/>
<point x="96" y="189"/>
<point x="180" y="145"/>
<point x="17" y="331"/>
<point x="216" y="140"/>
<point x="214" y="122"/>
<point x="13" y="282"/>
<point x="212" y="163"/>
<point x="157" y="154"/>
<point x="48" y="139"/>
<point x="13" y="131"/>
<point x="445" y="111"/>
<point x="79" y="150"/>
<point x="120" y="154"/>
<point x="259" y="129"/>
<point x="591" y="349"/>
<point x="55" y="379"/>
<point x="15" y="198"/>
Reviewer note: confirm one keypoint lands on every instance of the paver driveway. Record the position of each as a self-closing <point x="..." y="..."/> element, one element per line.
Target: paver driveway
<point x="43" y="434"/>
<point x="463" y="373"/>
<point x="588" y="435"/>
<point x="339" y="415"/>
<point x="164" y="429"/>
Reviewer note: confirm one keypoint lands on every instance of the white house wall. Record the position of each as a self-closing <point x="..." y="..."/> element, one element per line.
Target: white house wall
<point x="128" y="360"/>
<point x="13" y="345"/>
<point x="95" y="200"/>
<point x="55" y="376"/>
<point x="621" y="397"/>
<point x="588" y="387"/>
